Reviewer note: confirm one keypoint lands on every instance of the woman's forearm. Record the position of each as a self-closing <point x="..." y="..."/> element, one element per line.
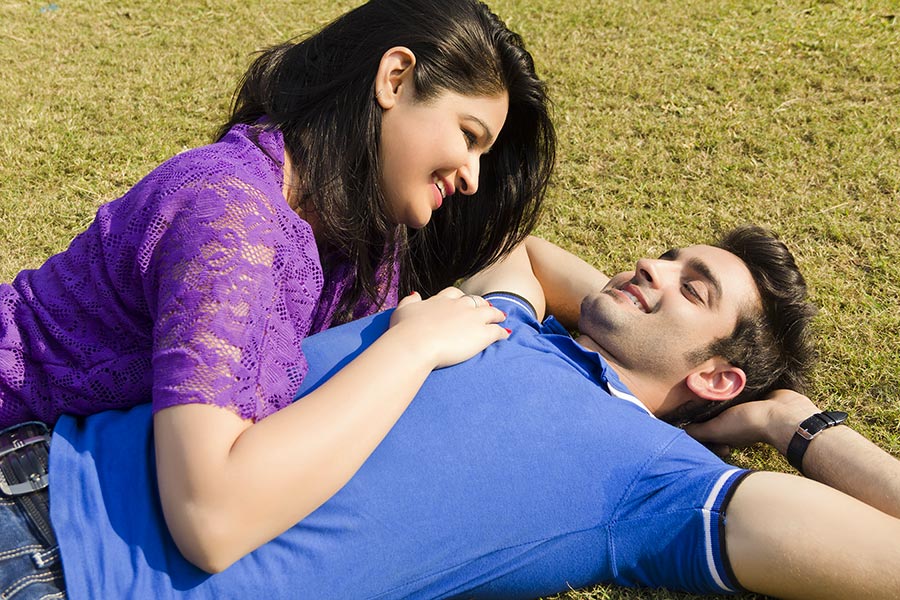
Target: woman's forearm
<point x="227" y="485"/>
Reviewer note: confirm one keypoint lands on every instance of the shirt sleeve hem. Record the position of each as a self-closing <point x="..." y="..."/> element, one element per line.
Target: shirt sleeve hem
<point x="715" y="517"/>
<point x="515" y="298"/>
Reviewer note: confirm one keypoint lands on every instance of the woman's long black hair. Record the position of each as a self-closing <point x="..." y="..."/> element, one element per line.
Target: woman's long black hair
<point x="319" y="93"/>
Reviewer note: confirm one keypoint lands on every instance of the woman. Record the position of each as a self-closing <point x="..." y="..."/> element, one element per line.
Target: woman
<point x="195" y="289"/>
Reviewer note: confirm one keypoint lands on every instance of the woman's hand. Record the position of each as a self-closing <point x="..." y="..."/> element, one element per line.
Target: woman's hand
<point x="450" y="326"/>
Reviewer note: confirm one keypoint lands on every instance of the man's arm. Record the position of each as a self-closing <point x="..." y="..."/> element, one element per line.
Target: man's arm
<point x="553" y="280"/>
<point x="512" y="274"/>
<point x="838" y="457"/>
<point x="835" y="537"/>
<point x="791" y="537"/>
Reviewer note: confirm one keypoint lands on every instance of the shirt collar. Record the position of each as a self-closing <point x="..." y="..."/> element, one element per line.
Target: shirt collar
<point x="594" y="364"/>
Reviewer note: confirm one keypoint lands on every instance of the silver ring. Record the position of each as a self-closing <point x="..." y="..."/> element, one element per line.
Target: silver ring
<point x="474" y="299"/>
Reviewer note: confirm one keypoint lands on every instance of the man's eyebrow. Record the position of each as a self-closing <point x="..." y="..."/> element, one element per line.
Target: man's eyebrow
<point x="488" y="134"/>
<point x="670" y="254"/>
<point x="701" y="268"/>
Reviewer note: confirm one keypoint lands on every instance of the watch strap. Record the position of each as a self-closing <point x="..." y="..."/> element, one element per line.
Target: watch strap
<point x="809" y="429"/>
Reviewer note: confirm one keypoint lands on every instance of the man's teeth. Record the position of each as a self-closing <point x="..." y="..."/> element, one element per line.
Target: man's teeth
<point x="634" y="300"/>
<point x="440" y="186"/>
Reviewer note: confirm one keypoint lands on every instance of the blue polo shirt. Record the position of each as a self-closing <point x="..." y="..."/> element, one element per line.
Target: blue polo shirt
<point x="519" y="473"/>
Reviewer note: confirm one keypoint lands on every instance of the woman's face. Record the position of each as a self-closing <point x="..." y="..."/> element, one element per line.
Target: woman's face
<point x="430" y="150"/>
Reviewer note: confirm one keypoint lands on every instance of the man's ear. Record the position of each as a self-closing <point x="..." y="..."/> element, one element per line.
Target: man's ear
<point x="716" y="380"/>
<point x="394" y="76"/>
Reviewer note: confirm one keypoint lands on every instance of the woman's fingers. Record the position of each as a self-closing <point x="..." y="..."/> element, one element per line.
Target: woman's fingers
<point x="413" y="297"/>
<point x="452" y="324"/>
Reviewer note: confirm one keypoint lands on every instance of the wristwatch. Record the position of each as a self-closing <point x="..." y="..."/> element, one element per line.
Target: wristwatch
<point x="809" y="429"/>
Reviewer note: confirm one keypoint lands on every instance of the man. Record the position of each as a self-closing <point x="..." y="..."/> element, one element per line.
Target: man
<point x="540" y="464"/>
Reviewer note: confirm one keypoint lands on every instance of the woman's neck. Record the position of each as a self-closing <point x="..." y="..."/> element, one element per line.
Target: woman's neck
<point x="291" y="195"/>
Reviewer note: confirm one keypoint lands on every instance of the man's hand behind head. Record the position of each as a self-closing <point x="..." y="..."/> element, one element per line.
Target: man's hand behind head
<point x="772" y="420"/>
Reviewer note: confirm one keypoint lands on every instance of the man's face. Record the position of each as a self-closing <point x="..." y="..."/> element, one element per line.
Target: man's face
<point x="652" y="319"/>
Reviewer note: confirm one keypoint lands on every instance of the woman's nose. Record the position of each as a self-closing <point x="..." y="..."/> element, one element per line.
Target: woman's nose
<point x="467" y="176"/>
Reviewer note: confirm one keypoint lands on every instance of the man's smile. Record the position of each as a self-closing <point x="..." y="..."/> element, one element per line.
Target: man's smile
<point x="634" y="294"/>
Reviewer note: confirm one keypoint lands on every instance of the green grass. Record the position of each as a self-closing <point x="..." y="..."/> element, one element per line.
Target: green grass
<point x="676" y="120"/>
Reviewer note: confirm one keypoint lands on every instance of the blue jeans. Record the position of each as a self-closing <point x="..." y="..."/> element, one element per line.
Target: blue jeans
<point x="30" y="565"/>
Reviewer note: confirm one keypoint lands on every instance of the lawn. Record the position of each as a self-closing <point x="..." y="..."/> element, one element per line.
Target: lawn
<point x="676" y="120"/>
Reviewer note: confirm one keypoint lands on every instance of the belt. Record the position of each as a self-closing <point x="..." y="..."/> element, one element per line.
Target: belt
<point x="24" y="455"/>
<point x="24" y="459"/>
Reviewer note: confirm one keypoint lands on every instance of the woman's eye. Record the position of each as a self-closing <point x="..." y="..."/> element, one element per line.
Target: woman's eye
<point x="471" y="138"/>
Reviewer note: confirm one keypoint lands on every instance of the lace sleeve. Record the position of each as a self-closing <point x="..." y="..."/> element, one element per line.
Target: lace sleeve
<point x="236" y="282"/>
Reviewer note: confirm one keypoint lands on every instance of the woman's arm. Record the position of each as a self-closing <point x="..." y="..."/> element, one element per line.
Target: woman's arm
<point x="228" y="485"/>
<point x="229" y="293"/>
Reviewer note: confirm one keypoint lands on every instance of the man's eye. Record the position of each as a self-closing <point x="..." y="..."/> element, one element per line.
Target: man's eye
<point x="692" y="291"/>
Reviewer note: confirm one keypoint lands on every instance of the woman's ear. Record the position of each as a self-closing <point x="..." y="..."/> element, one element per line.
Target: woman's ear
<point x="716" y="380"/>
<point x="394" y="76"/>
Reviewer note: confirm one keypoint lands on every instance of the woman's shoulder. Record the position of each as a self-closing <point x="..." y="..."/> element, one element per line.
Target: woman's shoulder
<point x="247" y="157"/>
<point x="239" y="173"/>
<point x="228" y="190"/>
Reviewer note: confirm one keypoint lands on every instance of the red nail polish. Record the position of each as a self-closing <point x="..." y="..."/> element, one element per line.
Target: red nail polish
<point x="412" y="293"/>
<point x="489" y="303"/>
<point x="509" y="331"/>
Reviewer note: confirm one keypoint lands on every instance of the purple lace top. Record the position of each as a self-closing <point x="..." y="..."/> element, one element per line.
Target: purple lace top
<point x="196" y="286"/>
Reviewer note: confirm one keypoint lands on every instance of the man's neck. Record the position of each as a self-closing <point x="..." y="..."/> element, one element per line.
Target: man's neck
<point x="644" y="389"/>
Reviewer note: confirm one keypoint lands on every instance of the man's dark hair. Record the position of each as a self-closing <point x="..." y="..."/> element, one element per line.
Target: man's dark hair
<point x="774" y="346"/>
<point x="319" y="93"/>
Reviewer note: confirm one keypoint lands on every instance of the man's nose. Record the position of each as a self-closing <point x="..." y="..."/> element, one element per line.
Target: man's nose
<point x="654" y="271"/>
